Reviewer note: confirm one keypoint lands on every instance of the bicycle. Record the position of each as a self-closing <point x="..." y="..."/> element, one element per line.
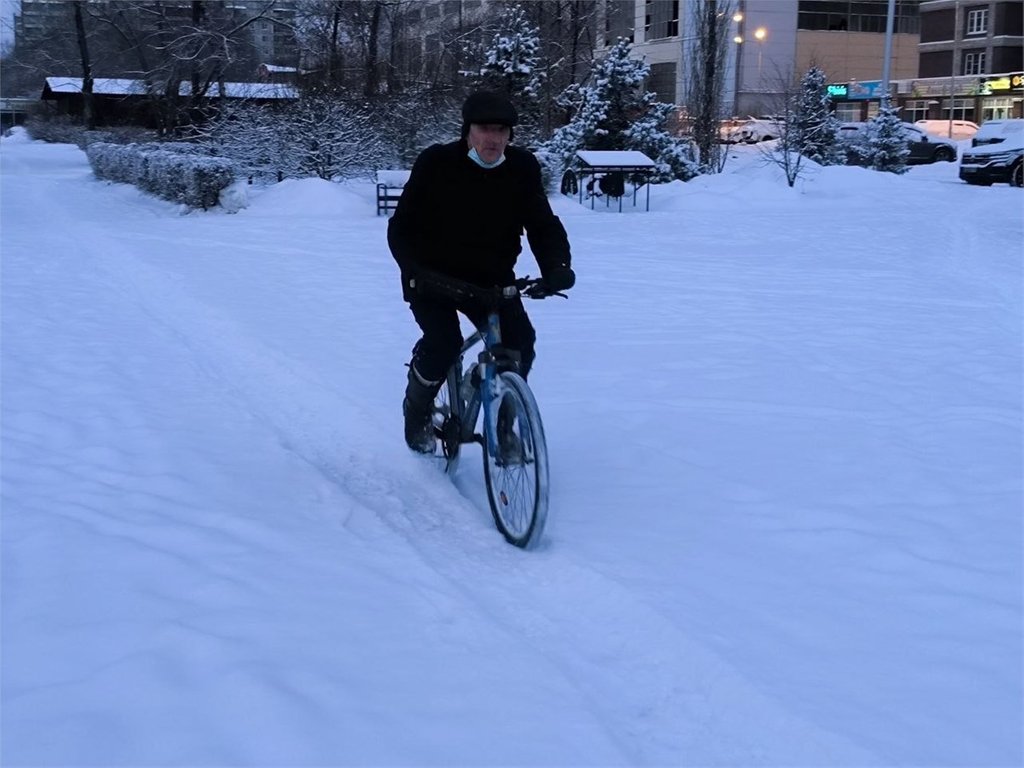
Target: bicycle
<point x="512" y="435"/>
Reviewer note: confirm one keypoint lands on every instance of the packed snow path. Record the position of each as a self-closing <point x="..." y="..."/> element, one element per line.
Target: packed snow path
<point x="785" y="433"/>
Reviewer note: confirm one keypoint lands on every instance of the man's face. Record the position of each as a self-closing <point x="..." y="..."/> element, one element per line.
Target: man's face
<point x="489" y="140"/>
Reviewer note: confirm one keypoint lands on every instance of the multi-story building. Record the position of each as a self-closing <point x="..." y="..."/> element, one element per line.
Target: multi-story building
<point x="771" y="41"/>
<point x="971" y="64"/>
<point x="271" y="36"/>
<point x="971" y="37"/>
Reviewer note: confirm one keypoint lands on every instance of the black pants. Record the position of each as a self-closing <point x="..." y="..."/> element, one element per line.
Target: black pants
<point x="442" y="337"/>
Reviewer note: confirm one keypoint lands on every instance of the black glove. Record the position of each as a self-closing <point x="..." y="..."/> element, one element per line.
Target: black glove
<point x="560" y="279"/>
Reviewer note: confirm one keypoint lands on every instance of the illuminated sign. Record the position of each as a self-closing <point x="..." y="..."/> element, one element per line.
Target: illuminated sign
<point x="867" y="89"/>
<point x="1004" y="83"/>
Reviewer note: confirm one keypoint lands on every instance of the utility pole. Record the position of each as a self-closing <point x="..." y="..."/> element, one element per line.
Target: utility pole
<point x="952" y="66"/>
<point x="887" y="62"/>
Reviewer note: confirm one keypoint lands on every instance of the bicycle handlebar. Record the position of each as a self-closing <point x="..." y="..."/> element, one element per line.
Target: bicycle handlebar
<point x="450" y="287"/>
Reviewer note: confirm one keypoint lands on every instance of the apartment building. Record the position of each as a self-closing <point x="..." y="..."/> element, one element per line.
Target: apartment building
<point x="971" y="64"/>
<point x="271" y="36"/>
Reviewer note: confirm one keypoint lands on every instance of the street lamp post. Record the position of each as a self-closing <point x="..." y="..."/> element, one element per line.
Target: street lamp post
<point x="738" y="79"/>
<point x="760" y="34"/>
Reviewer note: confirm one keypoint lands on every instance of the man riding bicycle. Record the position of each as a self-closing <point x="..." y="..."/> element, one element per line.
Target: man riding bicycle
<point x="462" y="215"/>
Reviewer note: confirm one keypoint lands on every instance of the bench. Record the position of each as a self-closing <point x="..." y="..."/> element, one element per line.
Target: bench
<point x="389" y="189"/>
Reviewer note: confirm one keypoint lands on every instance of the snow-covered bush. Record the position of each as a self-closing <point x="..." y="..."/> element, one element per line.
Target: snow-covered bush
<point x="60" y="129"/>
<point x="321" y="135"/>
<point x="193" y="180"/>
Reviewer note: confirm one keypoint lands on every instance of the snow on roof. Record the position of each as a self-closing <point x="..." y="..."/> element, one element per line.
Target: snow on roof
<point x="129" y="87"/>
<point x="249" y="90"/>
<point x="103" y="86"/>
<point x="623" y="158"/>
<point x="279" y="68"/>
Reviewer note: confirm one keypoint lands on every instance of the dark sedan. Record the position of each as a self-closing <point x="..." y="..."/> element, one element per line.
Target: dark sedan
<point x="923" y="148"/>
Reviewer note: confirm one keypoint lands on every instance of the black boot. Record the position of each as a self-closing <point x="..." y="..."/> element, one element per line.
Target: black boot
<point x="418" y="409"/>
<point x="509" y="444"/>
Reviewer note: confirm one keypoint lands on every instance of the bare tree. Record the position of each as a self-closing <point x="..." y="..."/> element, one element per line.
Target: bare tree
<point x="786" y="151"/>
<point x="706" y="85"/>
<point x="88" y="113"/>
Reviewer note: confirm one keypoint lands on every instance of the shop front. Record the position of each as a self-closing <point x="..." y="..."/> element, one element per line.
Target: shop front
<point x="974" y="98"/>
<point x="857" y="100"/>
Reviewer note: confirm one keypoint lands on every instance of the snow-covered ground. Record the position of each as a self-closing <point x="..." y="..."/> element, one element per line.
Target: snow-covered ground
<point x="785" y="526"/>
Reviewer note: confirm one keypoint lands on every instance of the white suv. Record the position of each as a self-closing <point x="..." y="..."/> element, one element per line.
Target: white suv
<point x="996" y="154"/>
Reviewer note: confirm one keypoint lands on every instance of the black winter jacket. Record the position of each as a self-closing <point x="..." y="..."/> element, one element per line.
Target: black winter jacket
<point x="459" y="219"/>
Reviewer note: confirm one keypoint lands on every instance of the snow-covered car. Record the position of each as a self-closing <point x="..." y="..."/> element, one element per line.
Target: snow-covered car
<point x="996" y="154"/>
<point x="923" y="148"/>
<point x="961" y="129"/>
<point x="753" y="130"/>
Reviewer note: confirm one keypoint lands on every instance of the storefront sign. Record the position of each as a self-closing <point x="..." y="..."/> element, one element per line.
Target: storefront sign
<point x="868" y="89"/>
<point x="854" y="90"/>
<point x="1000" y="84"/>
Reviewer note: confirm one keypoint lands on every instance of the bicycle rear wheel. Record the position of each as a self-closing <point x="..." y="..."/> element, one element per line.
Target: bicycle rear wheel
<point x="517" y="478"/>
<point x="447" y="421"/>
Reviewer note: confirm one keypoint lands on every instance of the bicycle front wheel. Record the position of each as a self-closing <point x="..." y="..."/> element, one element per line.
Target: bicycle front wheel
<point x="517" y="476"/>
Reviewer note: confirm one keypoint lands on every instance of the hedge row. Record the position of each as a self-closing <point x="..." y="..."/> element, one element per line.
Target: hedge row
<point x="180" y="177"/>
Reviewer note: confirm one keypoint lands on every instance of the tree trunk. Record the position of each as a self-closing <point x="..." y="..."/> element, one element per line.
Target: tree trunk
<point x="88" y="109"/>
<point x="372" y="75"/>
<point x="196" y="78"/>
<point x="333" y="65"/>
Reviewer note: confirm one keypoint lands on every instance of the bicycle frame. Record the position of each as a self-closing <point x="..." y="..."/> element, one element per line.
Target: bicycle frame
<point x="474" y="395"/>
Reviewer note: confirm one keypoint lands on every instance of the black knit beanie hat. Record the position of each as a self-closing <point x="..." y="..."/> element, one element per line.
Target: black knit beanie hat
<point x="488" y="107"/>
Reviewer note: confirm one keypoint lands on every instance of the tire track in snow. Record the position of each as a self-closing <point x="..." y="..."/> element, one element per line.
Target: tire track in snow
<point x="660" y="696"/>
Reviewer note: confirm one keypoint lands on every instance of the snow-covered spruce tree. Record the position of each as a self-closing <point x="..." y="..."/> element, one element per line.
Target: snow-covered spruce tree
<point x="512" y="66"/>
<point x="815" y="126"/>
<point x="887" y="148"/>
<point x="611" y="111"/>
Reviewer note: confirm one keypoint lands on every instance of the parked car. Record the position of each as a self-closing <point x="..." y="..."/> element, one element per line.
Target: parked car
<point x="923" y="148"/>
<point x="753" y="130"/>
<point x="962" y="129"/>
<point x="996" y="154"/>
<point x="998" y="132"/>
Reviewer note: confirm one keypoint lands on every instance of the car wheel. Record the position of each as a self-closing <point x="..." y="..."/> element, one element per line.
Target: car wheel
<point x="1017" y="175"/>
<point x="944" y="155"/>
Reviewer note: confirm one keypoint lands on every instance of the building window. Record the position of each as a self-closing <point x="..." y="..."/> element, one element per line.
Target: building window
<point x="977" y="21"/>
<point x="974" y="63"/>
<point x="661" y="20"/>
<point x="997" y="109"/>
<point x="963" y="109"/>
<point x="863" y="16"/>
<point x="915" y="110"/>
<point x="848" y="111"/>
<point x="662" y="81"/>
<point x="432" y="12"/>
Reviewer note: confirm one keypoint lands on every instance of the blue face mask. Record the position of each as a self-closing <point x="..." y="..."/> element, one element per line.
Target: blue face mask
<point x="475" y="157"/>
